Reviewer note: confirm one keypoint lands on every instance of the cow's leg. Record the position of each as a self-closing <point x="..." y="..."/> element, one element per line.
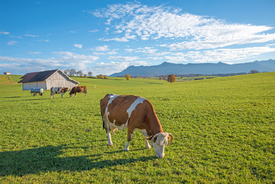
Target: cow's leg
<point x="110" y="143"/>
<point x="147" y="145"/>
<point x="129" y="138"/>
<point x="143" y="132"/>
<point x="61" y="95"/>
<point x="75" y="95"/>
<point x="53" y="95"/>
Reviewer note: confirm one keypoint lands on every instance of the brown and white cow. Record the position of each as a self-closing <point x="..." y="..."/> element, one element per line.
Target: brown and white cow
<point x="58" y="90"/>
<point x="78" y="89"/>
<point x="134" y="113"/>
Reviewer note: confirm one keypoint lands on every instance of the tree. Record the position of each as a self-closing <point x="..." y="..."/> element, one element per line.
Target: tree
<point x="254" y="71"/>
<point x="100" y="76"/>
<point x="105" y="77"/>
<point x="90" y="73"/>
<point x="67" y="71"/>
<point x="171" y="78"/>
<point x="72" y="72"/>
<point x="80" y="73"/>
<point x="127" y="76"/>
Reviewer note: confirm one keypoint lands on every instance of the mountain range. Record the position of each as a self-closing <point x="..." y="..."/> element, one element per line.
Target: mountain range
<point x="200" y="68"/>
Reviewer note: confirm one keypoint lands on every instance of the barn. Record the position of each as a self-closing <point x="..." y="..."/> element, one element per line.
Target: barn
<point x="46" y="80"/>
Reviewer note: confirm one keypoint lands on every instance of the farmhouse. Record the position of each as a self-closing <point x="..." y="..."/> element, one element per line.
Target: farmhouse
<point x="46" y="80"/>
<point x="7" y="73"/>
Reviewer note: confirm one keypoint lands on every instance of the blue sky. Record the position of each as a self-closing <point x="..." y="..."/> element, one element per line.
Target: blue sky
<point x="105" y="37"/>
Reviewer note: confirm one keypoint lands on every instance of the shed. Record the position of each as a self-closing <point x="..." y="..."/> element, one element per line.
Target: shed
<point x="47" y="80"/>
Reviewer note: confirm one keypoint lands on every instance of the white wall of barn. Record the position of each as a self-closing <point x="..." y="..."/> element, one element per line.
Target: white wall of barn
<point x="59" y="80"/>
<point x="34" y="85"/>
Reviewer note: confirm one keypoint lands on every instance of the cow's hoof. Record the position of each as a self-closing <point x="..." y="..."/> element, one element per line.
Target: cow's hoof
<point x="126" y="150"/>
<point x="149" y="147"/>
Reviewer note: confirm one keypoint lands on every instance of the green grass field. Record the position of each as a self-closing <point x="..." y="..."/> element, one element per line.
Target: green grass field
<point x="223" y="128"/>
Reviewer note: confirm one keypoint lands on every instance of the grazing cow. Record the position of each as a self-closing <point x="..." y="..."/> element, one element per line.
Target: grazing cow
<point x="58" y="90"/>
<point x="78" y="89"/>
<point x="134" y="113"/>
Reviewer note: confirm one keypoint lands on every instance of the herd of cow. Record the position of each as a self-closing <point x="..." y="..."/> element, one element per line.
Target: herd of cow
<point x="131" y="112"/>
<point x="63" y="90"/>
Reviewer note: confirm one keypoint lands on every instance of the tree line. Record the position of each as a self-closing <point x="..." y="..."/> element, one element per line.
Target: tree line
<point x="73" y="72"/>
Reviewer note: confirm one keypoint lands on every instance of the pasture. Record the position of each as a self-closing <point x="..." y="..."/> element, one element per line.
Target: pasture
<point x="223" y="132"/>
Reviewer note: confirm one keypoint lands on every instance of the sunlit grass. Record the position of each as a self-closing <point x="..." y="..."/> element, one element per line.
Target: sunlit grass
<point x="223" y="132"/>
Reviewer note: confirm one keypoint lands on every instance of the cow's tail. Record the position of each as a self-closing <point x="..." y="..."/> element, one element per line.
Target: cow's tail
<point x="103" y="108"/>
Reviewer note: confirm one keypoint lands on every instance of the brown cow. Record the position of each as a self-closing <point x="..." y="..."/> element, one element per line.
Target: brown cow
<point x="78" y="89"/>
<point x="134" y="113"/>
<point x="58" y="90"/>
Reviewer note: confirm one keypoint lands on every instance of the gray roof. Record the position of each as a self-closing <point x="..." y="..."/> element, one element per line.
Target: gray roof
<point x="41" y="76"/>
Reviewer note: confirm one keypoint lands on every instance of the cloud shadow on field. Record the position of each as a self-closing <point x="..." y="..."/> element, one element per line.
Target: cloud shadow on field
<point x="44" y="159"/>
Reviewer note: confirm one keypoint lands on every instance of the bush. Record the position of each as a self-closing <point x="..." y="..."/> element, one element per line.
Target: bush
<point x="171" y="78"/>
<point x="127" y="76"/>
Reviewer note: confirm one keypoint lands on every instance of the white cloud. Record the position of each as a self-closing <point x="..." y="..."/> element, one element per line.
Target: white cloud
<point x="11" y="42"/>
<point x="224" y="55"/>
<point x="93" y="31"/>
<point x="5" y="33"/>
<point x="102" y="48"/>
<point x="114" y="67"/>
<point x="78" y="45"/>
<point x="122" y="39"/>
<point x="129" y="50"/>
<point x="30" y="35"/>
<point x="112" y="53"/>
<point x="35" y="52"/>
<point x="43" y="40"/>
<point x="78" y="58"/>
<point x="63" y="61"/>
<point x="16" y="36"/>
<point x="72" y="31"/>
<point x="124" y="58"/>
<point x="229" y="54"/>
<point x="146" y="50"/>
<point x="200" y="32"/>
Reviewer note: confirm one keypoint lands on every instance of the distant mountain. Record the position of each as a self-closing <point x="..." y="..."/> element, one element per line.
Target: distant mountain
<point x="201" y="68"/>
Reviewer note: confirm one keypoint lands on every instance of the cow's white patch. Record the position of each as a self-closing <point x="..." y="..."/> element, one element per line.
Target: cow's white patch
<point x="111" y="98"/>
<point x="134" y="105"/>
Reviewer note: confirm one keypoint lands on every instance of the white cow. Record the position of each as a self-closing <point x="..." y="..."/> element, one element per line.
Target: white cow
<point x="58" y="90"/>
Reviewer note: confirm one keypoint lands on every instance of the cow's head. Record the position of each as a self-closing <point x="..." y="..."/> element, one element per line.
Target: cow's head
<point x="65" y="89"/>
<point x="159" y="141"/>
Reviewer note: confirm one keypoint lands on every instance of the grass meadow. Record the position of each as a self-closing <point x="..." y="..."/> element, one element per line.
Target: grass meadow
<point x="223" y="128"/>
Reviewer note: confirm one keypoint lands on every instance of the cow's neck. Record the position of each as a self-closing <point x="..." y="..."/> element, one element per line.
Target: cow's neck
<point x="154" y="123"/>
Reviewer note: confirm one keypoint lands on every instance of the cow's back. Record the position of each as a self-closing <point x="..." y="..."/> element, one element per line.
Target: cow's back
<point x="120" y="109"/>
<point x="56" y="89"/>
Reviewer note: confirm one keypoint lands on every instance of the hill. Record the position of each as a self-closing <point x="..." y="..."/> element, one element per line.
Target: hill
<point x="201" y="68"/>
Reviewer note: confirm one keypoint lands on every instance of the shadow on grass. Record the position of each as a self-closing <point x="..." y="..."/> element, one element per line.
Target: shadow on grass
<point x="34" y="161"/>
<point x="12" y="97"/>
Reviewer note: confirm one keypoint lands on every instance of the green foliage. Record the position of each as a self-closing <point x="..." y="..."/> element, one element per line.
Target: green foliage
<point x="223" y="132"/>
<point x="127" y="76"/>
